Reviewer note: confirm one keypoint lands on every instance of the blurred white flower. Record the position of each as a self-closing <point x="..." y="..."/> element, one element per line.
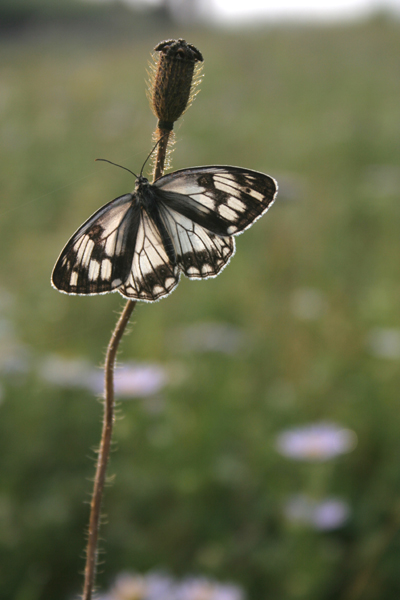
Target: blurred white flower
<point x="384" y="342"/>
<point x="212" y="337"/>
<point x="15" y="358"/>
<point x="130" y="380"/>
<point x="139" y="380"/>
<point x="205" y="589"/>
<point x="318" y="442"/>
<point x="129" y="587"/>
<point x="14" y="355"/>
<point x="330" y="514"/>
<point x="158" y="586"/>
<point x="323" y="515"/>
<point x="308" y="304"/>
<point x="65" y="372"/>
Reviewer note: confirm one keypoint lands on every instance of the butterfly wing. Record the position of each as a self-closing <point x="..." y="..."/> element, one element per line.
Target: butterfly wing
<point x="183" y="222"/>
<point x="202" y="209"/>
<point x="98" y="257"/>
<point x="121" y="248"/>
<point x="224" y="200"/>
<point x="199" y="252"/>
<point x="154" y="271"/>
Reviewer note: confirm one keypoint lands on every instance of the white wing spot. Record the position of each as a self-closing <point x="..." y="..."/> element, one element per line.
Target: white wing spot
<point x="116" y="283"/>
<point x="94" y="270"/>
<point x="110" y="245"/>
<point x="206" y="269"/>
<point x="257" y="195"/>
<point x="85" y="251"/>
<point x="236" y="204"/>
<point x="228" y="176"/>
<point x="74" y="278"/>
<point x="227" y="213"/>
<point x="106" y="269"/>
<point x="206" y="202"/>
<point x="184" y="187"/>
<point x="220" y="185"/>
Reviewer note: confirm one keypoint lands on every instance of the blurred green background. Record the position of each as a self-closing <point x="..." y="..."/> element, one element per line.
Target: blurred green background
<point x="311" y="298"/>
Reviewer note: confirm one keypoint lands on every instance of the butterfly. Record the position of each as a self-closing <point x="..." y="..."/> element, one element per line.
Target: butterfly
<point x="184" y="222"/>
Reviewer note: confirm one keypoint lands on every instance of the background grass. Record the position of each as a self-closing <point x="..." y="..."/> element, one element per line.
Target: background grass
<point x="199" y="487"/>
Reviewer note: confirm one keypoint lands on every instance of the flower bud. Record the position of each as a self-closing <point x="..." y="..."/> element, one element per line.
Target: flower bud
<point x="174" y="78"/>
<point x="172" y="87"/>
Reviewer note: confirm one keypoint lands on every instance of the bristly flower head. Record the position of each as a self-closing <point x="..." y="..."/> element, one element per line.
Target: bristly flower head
<point x="173" y="83"/>
<point x="173" y="79"/>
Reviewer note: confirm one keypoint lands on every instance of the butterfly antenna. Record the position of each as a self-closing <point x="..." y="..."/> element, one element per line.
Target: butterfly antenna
<point x="115" y="165"/>
<point x="152" y="150"/>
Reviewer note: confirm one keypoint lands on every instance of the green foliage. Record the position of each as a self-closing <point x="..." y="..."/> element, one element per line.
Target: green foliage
<point x="199" y="486"/>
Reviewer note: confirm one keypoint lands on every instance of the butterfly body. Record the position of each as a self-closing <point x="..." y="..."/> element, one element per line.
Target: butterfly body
<point x="140" y="243"/>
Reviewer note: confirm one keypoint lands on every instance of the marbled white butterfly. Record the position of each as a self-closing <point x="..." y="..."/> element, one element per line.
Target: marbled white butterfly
<point x="140" y="243"/>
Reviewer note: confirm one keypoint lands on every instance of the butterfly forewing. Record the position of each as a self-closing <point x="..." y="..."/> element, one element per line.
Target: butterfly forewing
<point x="139" y="243"/>
<point x="224" y="200"/>
<point x="98" y="257"/>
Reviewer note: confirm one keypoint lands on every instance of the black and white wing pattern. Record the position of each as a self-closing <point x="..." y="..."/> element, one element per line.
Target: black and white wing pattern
<point x="98" y="257"/>
<point x="140" y="243"/>
<point x="204" y="207"/>
<point x="118" y="248"/>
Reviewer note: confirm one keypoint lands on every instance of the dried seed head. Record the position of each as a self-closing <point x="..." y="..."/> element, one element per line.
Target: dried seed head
<point x="172" y="88"/>
<point x="174" y="76"/>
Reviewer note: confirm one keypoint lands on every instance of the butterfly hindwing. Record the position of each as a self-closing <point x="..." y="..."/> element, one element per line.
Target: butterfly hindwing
<point x="200" y="253"/>
<point x="154" y="271"/>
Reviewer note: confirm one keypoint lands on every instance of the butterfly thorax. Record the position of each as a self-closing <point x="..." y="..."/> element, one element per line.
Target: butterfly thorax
<point x="141" y="184"/>
<point x="145" y="196"/>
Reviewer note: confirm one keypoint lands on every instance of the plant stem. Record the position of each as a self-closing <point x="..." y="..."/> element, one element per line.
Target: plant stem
<point x="162" y="135"/>
<point x="108" y="421"/>
<point x="104" y="450"/>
